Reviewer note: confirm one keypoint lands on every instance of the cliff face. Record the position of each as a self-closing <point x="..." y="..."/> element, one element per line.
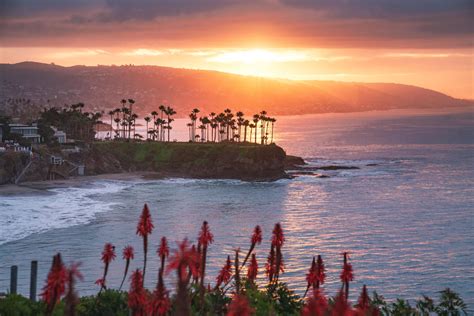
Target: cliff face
<point x="11" y="164"/>
<point x="230" y="161"/>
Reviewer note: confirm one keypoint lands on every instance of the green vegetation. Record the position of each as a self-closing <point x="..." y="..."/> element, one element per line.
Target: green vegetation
<point x="207" y="160"/>
<point x="277" y="301"/>
<point x="78" y="125"/>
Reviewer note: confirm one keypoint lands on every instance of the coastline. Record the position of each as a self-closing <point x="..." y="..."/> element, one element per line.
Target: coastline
<point x="41" y="187"/>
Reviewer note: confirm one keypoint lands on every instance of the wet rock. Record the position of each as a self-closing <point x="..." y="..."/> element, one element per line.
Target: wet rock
<point x="293" y="162"/>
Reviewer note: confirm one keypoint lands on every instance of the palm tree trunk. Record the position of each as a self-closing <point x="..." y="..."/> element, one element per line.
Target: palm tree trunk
<point x="271" y="141"/>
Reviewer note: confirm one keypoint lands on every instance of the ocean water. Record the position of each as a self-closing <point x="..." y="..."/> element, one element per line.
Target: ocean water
<point x="406" y="216"/>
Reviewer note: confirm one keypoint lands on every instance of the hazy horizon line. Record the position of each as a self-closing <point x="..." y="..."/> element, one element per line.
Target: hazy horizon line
<point x="233" y="73"/>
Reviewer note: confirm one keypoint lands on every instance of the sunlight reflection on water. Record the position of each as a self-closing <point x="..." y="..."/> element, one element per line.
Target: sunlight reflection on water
<point x="407" y="221"/>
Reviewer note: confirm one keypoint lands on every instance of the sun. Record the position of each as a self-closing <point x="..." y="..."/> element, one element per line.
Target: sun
<point x="255" y="62"/>
<point x="258" y="55"/>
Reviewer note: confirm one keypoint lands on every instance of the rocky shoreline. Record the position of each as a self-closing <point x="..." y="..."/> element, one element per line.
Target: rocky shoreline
<point x="242" y="161"/>
<point x="135" y="161"/>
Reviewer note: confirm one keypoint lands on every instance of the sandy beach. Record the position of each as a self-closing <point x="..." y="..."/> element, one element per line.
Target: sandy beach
<point x="41" y="187"/>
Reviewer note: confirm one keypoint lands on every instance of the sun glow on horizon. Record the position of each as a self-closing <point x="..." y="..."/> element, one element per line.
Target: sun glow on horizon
<point x="258" y="55"/>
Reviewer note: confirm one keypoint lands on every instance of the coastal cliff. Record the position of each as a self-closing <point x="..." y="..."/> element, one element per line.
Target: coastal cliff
<point x="195" y="160"/>
<point x="243" y="161"/>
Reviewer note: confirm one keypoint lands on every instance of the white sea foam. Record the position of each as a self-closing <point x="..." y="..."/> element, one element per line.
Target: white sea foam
<point x="22" y="216"/>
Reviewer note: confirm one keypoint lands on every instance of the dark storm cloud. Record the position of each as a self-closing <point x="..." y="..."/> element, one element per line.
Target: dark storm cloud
<point x="112" y="10"/>
<point x="32" y="8"/>
<point x="383" y="8"/>
<point x="335" y="23"/>
<point x="150" y="9"/>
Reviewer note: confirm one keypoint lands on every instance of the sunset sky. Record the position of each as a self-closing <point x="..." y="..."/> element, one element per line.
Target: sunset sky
<point x="428" y="43"/>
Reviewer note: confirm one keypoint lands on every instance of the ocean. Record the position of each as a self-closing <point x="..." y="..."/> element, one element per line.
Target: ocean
<point x="405" y="217"/>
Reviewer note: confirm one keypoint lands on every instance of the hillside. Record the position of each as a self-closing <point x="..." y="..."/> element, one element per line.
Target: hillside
<point x="102" y="87"/>
<point x="242" y="161"/>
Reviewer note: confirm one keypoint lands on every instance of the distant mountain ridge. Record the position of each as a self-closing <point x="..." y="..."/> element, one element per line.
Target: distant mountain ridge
<point x="102" y="88"/>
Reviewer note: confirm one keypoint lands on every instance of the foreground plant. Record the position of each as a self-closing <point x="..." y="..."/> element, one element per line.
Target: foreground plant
<point x="244" y="296"/>
<point x="72" y="298"/>
<point x="346" y="275"/>
<point x="137" y="299"/>
<point x="127" y="255"/>
<point x="108" y="255"/>
<point x="316" y="275"/>
<point x="55" y="284"/>
<point x="184" y="261"/>
<point x="205" y="238"/>
<point x="144" y="228"/>
<point x="255" y="240"/>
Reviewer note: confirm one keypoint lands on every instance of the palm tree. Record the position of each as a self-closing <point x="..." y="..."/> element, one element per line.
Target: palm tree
<point x="272" y="120"/>
<point x="246" y="125"/>
<point x="161" y="136"/>
<point x="202" y="128"/>
<point x="251" y="126"/>
<point x="147" y="120"/>
<point x="154" y="113"/>
<point x="189" y="125"/>
<point x="256" y="118"/>
<point x="111" y="113"/>
<point x="131" y="102"/>
<point x="227" y="119"/>
<point x="263" y="119"/>
<point x="169" y="112"/>
<point x="240" y="121"/>
<point x="122" y="110"/>
<point x="193" y="117"/>
<point x="117" y="121"/>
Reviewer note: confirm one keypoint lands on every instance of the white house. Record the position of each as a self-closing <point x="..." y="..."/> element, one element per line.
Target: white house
<point x="29" y="132"/>
<point x="60" y="135"/>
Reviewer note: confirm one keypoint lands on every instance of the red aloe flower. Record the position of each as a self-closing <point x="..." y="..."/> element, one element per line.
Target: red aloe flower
<point x="100" y="282"/>
<point x="164" y="250"/>
<point x="237" y="272"/>
<point x="240" y="307"/>
<point x="128" y="255"/>
<point x="160" y="302"/>
<point x="108" y="255"/>
<point x="253" y="269"/>
<point x="363" y="305"/>
<point x="341" y="306"/>
<point x="198" y="263"/>
<point x="311" y="276"/>
<point x="224" y="274"/>
<point x="316" y="275"/>
<point x="278" y="238"/>
<point x="257" y="235"/>
<point x="71" y="298"/>
<point x="270" y="265"/>
<point x="55" y="284"/>
<point x="256" y="239"/>
<point x="184" y="259"/>
<point x="317" y="305"/>
<point x="205" y="238"/>
<point x="137" y="299"/>
<point x="205" y="235"/>
<point x="144" y="228"/>
<point x="320" y="272"/>
<point x="364" y="302"/>
<point x="346" y="275"/>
